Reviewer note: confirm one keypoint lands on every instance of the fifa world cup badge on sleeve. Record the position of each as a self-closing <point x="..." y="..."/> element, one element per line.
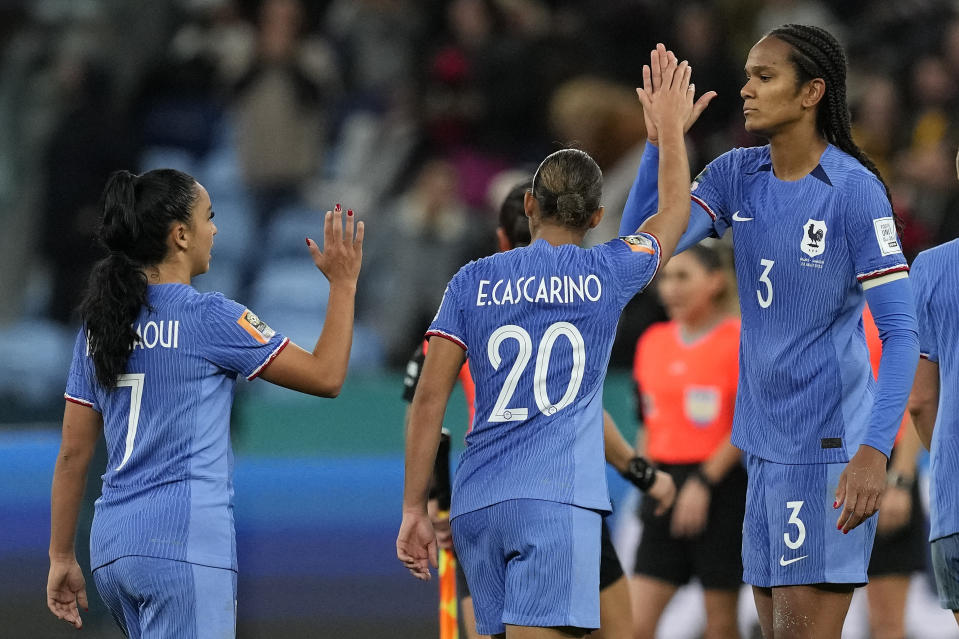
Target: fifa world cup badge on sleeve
<point x="256" y="327"/>
<point x="886" y="236"/>
<point x="639" y="244"/>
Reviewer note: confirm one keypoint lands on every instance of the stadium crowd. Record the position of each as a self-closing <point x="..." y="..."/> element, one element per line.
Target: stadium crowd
<point x="417" y="113"/>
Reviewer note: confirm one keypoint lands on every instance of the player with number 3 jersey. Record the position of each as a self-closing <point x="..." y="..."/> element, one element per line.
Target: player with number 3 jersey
<point x="814" y="236"/>
<point x="538" y="323"/>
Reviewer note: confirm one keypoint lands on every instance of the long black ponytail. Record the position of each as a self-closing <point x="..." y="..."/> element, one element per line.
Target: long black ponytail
<point x="817" y="54"/>
<point x="137" y="212"/>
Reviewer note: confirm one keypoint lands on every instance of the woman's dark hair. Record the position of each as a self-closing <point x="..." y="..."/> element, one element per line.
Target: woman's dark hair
<point x="137" y="211"/>
<point x="512" y="215"/>
<point x="568" y="185"/>
<point x="817" y="54"/>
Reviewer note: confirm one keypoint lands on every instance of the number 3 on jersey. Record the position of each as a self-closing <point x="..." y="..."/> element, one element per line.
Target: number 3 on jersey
<point x="501" y="411"/>
<point x="767" y="299"/>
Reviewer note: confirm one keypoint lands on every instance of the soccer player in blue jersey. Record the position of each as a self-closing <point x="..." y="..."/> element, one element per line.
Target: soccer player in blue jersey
<point x="934" y="405"/>
<point x="154" y="368"/>
<point x="814" y="236"/>
<point x="539" y="323"/>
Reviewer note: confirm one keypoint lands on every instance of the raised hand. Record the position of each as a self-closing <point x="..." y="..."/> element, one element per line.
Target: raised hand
<point x="659" y="59"/>
<point x="342" y="253"/>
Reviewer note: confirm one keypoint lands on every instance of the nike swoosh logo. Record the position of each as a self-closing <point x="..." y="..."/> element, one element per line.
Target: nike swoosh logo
<point x="785" y="562"/>
<point x="738" y="218"/>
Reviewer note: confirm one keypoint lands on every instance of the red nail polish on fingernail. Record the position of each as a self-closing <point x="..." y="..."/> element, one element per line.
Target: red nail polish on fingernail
<point x="337" y="208"/>
<point x="349" y="213"/>
<point x="307" y="241"/>
<point x="845" y="532"/>
<point x="835" y="504"/>
<point x="838" y="526"/>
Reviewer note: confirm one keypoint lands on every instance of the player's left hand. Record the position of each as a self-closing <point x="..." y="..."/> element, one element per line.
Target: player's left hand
<point x="691" y="509"/>
<point x="416" y="544"/>
<point x="66" y="591"/>
<point x="860" y="489"/>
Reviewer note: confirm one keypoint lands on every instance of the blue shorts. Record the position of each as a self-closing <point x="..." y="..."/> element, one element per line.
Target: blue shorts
<point x="152" y="598"/>
<point x="789" y="534"/>
<point x="945" y="563"/>
<point x="531" y="562"/>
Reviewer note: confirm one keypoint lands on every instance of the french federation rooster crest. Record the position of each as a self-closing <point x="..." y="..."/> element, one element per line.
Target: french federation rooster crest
<point x="814" y="237"/>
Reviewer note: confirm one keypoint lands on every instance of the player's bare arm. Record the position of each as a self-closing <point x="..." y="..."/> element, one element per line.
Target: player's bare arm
<point x="416" y="542"/>
<point x="66" y="590"/>
<point x="323" y="371"/>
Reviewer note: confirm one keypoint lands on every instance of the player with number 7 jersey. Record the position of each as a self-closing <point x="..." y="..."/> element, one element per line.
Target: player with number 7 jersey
<point x="154" y="368"/>
<point x="538" y="323"/>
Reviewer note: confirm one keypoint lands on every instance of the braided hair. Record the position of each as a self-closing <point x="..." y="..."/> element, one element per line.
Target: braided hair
<point x="568" y="185"/>
<point x="817" y="54"/>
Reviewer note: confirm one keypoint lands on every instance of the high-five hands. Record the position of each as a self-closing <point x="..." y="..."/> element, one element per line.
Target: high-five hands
<point x="342" y="253"/>
<point x="661" y="71"/>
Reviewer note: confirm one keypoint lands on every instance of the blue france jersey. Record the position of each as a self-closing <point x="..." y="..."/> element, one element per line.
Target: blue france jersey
<point x="168" y="487"/>
<point x="935" y="276"/>
<point x="804" y="251"/>
<point x="538" y="324"/>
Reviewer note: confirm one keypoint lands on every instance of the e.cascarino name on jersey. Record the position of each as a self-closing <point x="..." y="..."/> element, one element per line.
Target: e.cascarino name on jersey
<point x="555" y="289"/>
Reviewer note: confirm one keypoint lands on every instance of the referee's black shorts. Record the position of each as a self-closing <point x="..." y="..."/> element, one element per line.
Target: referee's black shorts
<point x="902" y="551"/>
<point x="714" y="556"/>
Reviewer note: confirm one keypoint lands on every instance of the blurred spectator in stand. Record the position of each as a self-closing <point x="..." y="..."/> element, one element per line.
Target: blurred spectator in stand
<point x="877" y="125"/>
<point x="91" y="140"/>
<point x="926" y="166"/>
<point x="216" y="31"/>
<point x="699" y="40"/>
<point x="425" y="238"/>
<point x="377" y="40"/>
<point x="281" y="103"/>
<point x="776" y="12"/>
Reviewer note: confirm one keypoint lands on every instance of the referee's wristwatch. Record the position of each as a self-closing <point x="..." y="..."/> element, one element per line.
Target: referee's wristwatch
<point x="899" y="480"/>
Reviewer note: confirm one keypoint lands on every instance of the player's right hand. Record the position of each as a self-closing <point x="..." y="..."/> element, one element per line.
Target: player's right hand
<point x="663" y="491"/>
<point x="416" y="544"/>
<point x="659" y="58"/>
<point x="342" y="253"/>
<point x="66" y="591"/>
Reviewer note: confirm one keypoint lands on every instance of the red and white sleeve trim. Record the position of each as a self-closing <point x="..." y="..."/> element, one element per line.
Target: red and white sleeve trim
<point x="889" y="270"/>
<point x="78" y="400"/>
<point x="449" y="336"/>
<point x="923" y="355"/>
<point x="269" y="360"/>
<point x="704" y="206"/>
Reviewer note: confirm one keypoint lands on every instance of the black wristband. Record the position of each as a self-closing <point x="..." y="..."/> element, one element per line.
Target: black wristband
<point x="641" y="473"/>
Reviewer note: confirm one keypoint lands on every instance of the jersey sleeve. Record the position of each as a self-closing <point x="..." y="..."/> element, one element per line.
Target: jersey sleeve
<point x="236" y="339"/>
<point x="633" y="261"/>
<point x="710" y="194"/>
<point x="411" y="378"/>
<point x="450" y="321"/>
<point x="871" y="233"/>
<point x="713" y="191"/>
<point x="81" y="381"/>
<point x="922" y="284"/>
